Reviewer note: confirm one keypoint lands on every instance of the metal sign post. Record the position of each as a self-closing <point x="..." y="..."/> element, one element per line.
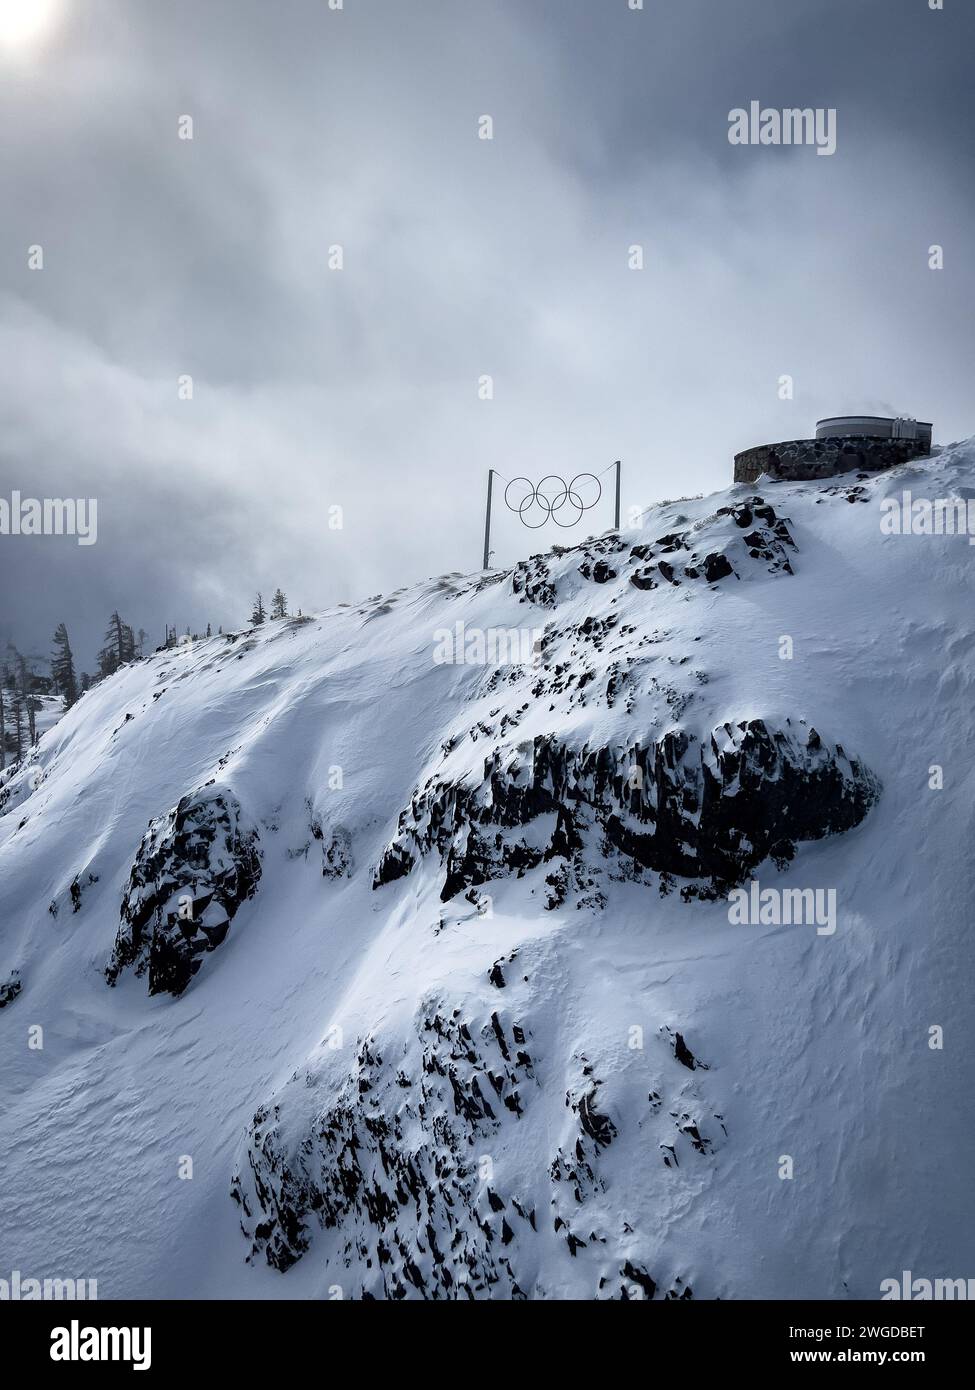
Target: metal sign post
<point x="487" y="522"/>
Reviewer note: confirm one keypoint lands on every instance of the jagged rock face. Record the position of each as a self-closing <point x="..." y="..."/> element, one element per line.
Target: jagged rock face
<point x="9" y="989"/>
<point x="337" y="858"/>
<point x="390" y="1166"/>
<point x="713" y="810"/>
<point x="194" y="868"/>
<point x="707" y="552"/>
<point x="688" y="555"/>
<point x="400" y="1189"/>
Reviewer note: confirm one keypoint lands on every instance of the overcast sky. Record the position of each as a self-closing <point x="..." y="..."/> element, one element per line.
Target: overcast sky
<point x="463" y="257"/>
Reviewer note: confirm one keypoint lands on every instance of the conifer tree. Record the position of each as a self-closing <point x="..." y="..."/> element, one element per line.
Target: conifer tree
<point x="62" y="667"/>
<point x="119" y="646"/>
<point x="25" y="706"/>
<point x="17" y="714"/>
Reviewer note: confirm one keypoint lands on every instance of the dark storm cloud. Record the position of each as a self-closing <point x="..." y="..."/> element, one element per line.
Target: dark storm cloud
<point x="667" y="77"/>
<point x="462" y="257"/>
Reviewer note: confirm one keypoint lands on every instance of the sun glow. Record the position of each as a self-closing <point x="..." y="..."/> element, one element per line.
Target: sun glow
<point x="25" y="22"/>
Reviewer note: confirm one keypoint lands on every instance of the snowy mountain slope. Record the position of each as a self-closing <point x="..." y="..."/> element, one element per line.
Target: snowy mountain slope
<point x="441" y="996"/>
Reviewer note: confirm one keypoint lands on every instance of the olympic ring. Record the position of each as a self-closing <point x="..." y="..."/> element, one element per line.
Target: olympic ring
<point x="537" y="500"/>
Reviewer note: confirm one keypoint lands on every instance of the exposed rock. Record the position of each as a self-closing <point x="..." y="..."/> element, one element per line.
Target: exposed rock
<point x="389" y="1169"/>
<point x="9" y="989"/>
<point x="575" y="1170"/>
<point x="711" y="810"/>
<point x="716" y="567"/>
<point x="531" y="580"/>
<point x="194" y="868"/>
<point x="684" y="1054"/>
<point x="674" y="557"/>
<point x="395" y="1177"/>
<point x="600" y="571"/>
<point x="337" y="860"/>
<point x="78" y="885"/>
<point x="639" y="1276"/>
<point x="770" y="540"/>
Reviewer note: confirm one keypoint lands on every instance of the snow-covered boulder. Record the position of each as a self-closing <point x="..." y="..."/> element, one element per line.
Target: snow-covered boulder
<point x="194" y="868"/>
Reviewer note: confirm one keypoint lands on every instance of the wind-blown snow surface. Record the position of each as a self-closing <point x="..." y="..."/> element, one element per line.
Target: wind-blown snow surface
<point x="582" y="1084"/>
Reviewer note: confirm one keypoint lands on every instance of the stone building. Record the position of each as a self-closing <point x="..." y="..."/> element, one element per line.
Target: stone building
<point x="843" y="443"/>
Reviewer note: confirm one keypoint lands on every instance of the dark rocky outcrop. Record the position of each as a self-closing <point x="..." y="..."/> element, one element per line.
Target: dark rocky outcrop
<point x="391" y="1167"/>
<point x="400" y="1174"/>
<point x="9" y="989"/>
<point x="194" y="868"/>
<point x="768" y="539"/>
<point x="575" y="1170"/>
<point x="711" y="810"/>
<point x="77" y="887"/>
<point x="531" y="580"/>
<point x="337" y="859"/>
<point x="711" y="550"/>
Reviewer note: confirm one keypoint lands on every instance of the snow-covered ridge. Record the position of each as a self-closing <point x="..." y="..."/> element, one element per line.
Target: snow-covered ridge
<point x="429" y="965"/>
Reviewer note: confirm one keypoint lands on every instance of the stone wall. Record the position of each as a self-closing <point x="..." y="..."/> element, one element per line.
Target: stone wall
<point x="797" y="460"/>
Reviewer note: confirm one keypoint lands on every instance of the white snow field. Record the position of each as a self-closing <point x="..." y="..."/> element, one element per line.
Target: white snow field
<point x="574" y="1078"/>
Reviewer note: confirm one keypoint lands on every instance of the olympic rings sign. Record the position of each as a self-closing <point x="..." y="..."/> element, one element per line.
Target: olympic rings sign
<point x="552" y="499"/>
